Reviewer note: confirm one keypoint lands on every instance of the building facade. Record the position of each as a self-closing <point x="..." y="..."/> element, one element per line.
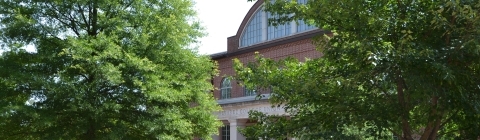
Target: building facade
<point x="255" y="35"/>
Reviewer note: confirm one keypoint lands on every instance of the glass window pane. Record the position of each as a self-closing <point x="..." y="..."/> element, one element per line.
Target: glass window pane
<point x="303" y="26"/>
<point x="225" y="89"/>
<point x="253" y="30"/>
<point x="225" y="132"/>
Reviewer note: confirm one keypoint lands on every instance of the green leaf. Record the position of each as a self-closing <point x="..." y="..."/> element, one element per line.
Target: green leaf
<point x="104" y="70"/>
<point x="398" y="66"/>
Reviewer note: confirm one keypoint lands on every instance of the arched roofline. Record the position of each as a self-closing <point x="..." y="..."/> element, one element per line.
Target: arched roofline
<point x="249" y="15"/>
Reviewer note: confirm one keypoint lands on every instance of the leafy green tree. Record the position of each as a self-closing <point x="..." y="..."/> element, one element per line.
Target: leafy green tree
<point x="103" y="69"/>
<point x="404" y="67"/>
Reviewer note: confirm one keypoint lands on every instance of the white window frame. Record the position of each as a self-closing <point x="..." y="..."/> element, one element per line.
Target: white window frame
<point x="249" y="92"/>
<point x="226" y="88"/>
<point x="225" y="132"/>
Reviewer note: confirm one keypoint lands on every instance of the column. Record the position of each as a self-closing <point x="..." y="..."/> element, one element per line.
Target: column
<point x="215" y="137"/>
<point x="234" y="125"/>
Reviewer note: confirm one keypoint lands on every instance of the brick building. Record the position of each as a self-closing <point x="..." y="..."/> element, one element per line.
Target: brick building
<point x="255" y="35"/>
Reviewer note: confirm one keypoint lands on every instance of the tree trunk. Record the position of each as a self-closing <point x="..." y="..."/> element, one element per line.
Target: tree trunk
<point x="90" y="135"/>
<point x="433" y="125"/>
<point x="94" y="24"/>
<point x="407" y="132"/>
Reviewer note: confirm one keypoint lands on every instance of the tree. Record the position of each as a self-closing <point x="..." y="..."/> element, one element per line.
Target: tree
<point x="408" y="68"/>
<point x="115" y="69"/>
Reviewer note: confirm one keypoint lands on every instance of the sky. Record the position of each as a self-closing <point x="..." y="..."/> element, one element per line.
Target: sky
<point x="221" y="18"/>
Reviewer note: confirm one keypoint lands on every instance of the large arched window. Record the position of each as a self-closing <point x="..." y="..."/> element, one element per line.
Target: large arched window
<point x="257" y="29"/>
<point x="279" y="30"/>
<point x="302" y="26"/>
<point x="226" y="89"/>
<point x="253" y="31"/>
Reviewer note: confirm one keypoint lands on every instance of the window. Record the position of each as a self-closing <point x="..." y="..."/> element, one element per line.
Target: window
<point x="302" y="1"/>
<point x="253" y="32"/>
<point x="257" y="29"/>
<point x="279" y="30"/>
<point x="225" y="132"/>
<point x="226" y="89"/>
<point x="249" y="92"/>
<point x="302" y="25"/>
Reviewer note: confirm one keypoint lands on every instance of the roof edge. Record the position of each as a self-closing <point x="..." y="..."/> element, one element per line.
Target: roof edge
<point x="218" y="55"/>
<point x="272" y="43"/>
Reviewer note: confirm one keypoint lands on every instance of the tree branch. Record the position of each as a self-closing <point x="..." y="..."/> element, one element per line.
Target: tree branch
<point x="82" y="13"/>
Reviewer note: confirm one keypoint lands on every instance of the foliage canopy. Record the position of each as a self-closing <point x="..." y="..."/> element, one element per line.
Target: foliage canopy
<point x="114" y="69"/>
<point x="408" y="68"/>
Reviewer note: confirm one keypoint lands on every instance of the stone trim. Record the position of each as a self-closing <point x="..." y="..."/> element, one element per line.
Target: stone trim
<point x="241" y="111"/>
<point x="242" y="99"/>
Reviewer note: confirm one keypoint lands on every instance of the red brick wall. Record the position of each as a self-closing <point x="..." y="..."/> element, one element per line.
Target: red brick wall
<point x="299" y="49"/>
<point x="233" y="43"/>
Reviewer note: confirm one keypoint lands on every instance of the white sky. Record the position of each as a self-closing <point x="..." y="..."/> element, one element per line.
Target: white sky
<point x="221" y="18"/>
